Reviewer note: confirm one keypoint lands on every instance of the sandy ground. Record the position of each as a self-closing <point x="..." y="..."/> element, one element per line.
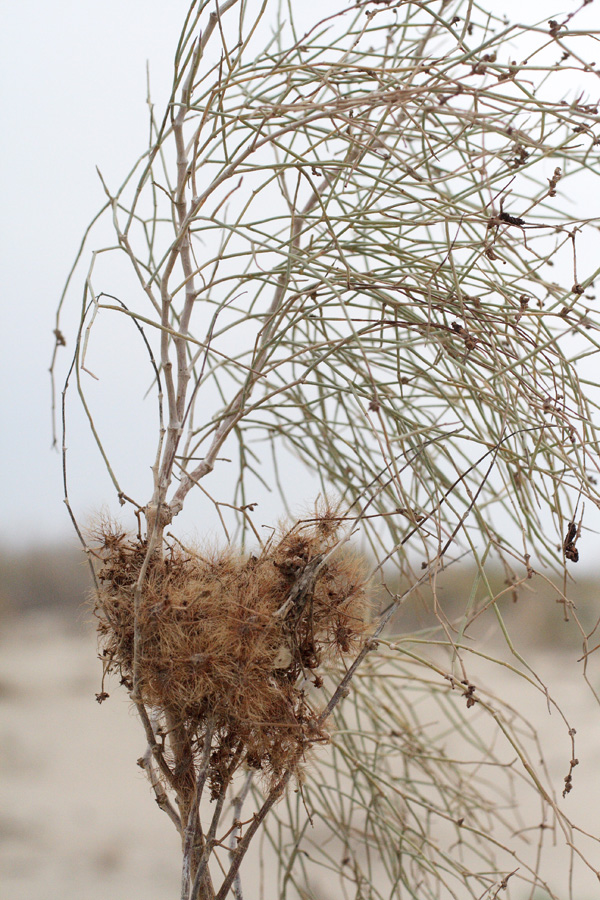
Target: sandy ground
<point x="77" y="819"/>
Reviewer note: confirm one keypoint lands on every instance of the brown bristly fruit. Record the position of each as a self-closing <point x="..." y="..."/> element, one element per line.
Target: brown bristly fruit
<point x="234" y="639"/>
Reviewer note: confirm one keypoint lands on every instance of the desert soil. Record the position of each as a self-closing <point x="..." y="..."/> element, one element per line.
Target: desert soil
<point x="77" y="819"/>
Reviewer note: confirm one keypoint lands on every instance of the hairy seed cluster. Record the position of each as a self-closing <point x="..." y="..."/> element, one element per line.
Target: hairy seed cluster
<point x="235" y="640"/>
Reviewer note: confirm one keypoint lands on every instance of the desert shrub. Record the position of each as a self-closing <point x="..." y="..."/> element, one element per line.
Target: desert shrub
<point x="353" y="246"/>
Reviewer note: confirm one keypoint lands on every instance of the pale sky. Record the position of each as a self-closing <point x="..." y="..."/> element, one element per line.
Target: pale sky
<point x="74" y="96"/>
<point x="73" y="86"/>
<point x="74" y="89"/>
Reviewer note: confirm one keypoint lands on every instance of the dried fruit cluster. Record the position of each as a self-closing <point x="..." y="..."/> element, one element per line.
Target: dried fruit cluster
<point x="234" y="640"/>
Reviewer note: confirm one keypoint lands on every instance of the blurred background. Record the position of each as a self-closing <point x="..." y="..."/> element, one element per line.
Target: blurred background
<point x="77" y="818"/>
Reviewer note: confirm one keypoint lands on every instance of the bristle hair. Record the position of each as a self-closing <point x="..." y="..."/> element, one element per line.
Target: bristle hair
<point x="220" y="644"/>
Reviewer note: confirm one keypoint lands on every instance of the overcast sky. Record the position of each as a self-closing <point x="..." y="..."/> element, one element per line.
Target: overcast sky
<point x="73" y="85"/>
